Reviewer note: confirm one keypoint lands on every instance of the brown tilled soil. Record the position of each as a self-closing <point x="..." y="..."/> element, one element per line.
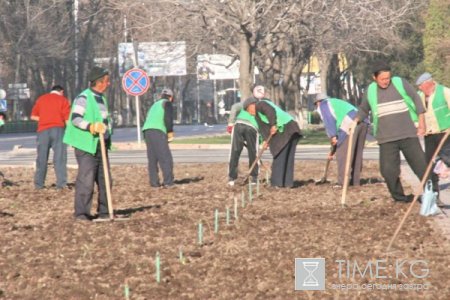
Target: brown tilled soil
<point x="45" y="254"/>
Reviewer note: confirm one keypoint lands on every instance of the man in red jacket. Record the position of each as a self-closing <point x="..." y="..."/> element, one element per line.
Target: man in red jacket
<point x="51" y="111"/>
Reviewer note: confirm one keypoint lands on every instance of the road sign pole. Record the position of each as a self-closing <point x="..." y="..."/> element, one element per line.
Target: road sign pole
<point x="135" y="82"/>
<point x="138" y="120"/>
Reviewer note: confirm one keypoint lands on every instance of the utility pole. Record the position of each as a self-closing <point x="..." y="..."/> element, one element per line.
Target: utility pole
<point x="75" y="19"/>
<point x="125" y="34"/>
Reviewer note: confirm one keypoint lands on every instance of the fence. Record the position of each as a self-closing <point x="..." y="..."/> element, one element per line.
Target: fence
<point x="19" y="127"/>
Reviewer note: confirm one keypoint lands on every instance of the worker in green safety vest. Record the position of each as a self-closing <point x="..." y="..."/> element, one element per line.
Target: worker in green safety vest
<point x="158" y="132"/>
<point x="244" y="133"/>
<point x="284" y="134"/>
<point x="337" y="116"/>
<point x="398" y="120"/>
<point x="88" y="118"/>
<point x="436" y="99"/>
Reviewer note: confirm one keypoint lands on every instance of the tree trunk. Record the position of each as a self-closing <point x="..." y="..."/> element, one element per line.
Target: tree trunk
<point x="334" y="87"/>
<point x="324" y="63"/>
<point x="245" y="67"/>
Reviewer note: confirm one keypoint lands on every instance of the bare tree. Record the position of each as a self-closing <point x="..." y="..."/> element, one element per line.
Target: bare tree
<point x="39" y="39"/>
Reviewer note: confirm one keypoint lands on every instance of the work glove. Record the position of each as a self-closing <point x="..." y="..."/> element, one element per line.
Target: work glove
<point x="230" y="128"/>
<point x="96" y="128"/>
<point x="273" y="130"/>
<point x="169" y="137"/>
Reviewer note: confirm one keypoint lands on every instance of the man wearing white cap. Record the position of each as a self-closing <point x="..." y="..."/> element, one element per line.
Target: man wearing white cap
<point x="436" y="99"/>
<point x="338" y="116"/>
<point x="244" y="133"/>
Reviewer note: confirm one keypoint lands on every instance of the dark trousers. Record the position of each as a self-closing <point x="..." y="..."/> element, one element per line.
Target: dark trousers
<point x="243" y="135"/>
<point x="283" y="164"/>
<point x="90" y="171"/>
<point x="390" y="163"/>
<point x="359" y="139"/>
<point x="51" y="139"/>
<point x="431" y="143"/>
<point x="158" y="153"/>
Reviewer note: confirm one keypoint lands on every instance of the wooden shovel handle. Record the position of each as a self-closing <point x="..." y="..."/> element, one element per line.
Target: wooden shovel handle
<point x="106" y="172"/>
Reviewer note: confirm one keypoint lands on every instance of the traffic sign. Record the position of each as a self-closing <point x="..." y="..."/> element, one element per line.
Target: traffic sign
<point x="135" y="82"/>
<point x="3" y="105"/>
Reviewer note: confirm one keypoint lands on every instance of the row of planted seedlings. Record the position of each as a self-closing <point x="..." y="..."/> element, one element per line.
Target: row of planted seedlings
<point x="246" y="191"/>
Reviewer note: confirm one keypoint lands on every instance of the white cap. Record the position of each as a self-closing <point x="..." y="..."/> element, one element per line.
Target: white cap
<point x="321" y="96"/>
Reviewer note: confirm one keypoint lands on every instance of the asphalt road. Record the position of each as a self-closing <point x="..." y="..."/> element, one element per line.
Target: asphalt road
<point x="19" y="149"/>
<point x="121" y="135"/>
<point x="212" y="155"/>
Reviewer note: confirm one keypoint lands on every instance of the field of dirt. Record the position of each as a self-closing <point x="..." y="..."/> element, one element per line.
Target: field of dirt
<point x="46" y="254"/>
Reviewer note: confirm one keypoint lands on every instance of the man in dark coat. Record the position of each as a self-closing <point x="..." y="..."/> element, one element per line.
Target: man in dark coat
<point x="284" y="135"/>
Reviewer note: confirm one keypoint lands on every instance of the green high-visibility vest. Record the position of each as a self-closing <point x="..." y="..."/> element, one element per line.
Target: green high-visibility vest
<point x="282" y="117"/>
<point x="440" y="107"/>
<point x="83" y="139"/>
<point x="155" y="116"/>
<point x="340" y="108"/>
<point x="372" y="98"/>
<point x="245" y="115"/>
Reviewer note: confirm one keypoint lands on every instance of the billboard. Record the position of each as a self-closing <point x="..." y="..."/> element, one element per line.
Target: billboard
<point x="217" y="66"/>
<point x="156" y="58"/>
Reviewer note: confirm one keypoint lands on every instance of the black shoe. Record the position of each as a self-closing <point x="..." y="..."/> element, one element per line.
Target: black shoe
<point x="405" y="198"/>
<point x="84" y="218"/>
<point x="102" y="216"/>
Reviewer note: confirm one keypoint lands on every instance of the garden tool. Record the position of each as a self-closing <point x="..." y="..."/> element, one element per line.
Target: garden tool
<point x="327" y="166"/>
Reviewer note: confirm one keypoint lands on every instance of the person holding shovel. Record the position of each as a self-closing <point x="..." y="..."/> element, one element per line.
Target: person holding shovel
<point x="281" y="134"/>
<point x="398" y="120"/>
<point x="90" y="119"/>
<point x="338" y="116"/>
<point x="158" y="133"/>
<point x="436" y="99"/>
<point x="244" y="132"/>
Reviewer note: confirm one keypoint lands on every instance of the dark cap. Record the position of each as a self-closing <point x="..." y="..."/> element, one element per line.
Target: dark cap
<point x="96" y="73"/>
<point x="249" y="101"/>
<point x="379" y="66"/>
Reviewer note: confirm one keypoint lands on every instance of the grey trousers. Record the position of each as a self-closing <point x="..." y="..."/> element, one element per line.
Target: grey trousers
<point x="90" y="172"/>
<point x="243" y="135"/>
<point x="158" y="153"/>
<point x="390" y="163"/>
<point x="359" y="138"/>
<point x="46" y="140"/>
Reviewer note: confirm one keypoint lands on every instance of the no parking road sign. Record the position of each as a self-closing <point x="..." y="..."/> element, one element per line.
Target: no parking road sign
<point x="135" y="82"/>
